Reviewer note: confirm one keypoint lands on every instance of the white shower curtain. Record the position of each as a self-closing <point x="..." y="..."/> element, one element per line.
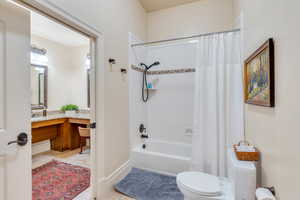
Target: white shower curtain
<point x="218" y="115"/>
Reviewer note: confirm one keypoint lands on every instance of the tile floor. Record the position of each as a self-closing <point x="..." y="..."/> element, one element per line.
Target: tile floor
<point x="73" y="157"/>
<point x="118" y="196"/>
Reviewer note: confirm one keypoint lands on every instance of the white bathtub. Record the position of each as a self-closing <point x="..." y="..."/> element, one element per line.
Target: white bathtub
<point x="163" y="157"/>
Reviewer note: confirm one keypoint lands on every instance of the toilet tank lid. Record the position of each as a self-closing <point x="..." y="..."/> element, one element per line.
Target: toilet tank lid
<point x="200" y="183"/>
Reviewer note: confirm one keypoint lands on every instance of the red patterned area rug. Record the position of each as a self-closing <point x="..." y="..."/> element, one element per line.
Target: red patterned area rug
<point x="59" y="181"/>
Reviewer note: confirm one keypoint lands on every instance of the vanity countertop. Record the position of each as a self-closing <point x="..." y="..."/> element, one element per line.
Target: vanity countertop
<point x="60" y="116"/>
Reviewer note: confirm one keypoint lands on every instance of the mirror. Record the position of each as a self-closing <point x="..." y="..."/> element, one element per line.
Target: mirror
<point x="39" y="78"/>
<point x="88" y="71"/>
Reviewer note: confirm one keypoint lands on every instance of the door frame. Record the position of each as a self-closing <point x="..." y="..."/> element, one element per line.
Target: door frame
<point x="50" y="10"/>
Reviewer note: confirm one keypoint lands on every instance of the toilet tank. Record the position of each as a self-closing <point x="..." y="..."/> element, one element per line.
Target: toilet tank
<point x="243" y="175"/>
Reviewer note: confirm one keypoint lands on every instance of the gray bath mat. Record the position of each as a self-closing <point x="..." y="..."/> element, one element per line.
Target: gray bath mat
<point x="145" y="185"/>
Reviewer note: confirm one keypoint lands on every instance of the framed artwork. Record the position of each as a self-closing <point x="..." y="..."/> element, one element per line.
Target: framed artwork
<point x="259" y="76"/>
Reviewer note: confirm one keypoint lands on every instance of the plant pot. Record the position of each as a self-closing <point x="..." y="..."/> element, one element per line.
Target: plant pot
<point x="70" y="112"/>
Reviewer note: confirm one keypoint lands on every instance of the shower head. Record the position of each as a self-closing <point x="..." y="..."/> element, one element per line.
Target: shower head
<point x="154" y="64"/>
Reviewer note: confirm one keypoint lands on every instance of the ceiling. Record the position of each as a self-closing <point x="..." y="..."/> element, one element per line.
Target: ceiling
<point x="153" y="5"/>
<point x="45" y="28"/>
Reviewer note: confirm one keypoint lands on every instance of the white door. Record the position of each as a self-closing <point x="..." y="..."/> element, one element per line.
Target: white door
<point x="15" y="160"/>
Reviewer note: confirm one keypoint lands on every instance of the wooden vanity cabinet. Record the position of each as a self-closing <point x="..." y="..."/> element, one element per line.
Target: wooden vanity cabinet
<point x="63" y="133"/>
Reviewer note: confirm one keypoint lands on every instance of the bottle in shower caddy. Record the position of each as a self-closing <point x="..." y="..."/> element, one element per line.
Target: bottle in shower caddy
<point x="149" y="86"/>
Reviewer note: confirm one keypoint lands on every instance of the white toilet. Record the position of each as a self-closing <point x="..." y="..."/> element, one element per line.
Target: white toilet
<point x="240" y="184"/>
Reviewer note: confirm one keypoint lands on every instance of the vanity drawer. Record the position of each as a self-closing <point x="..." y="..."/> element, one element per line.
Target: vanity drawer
<point x="44" y="133"/>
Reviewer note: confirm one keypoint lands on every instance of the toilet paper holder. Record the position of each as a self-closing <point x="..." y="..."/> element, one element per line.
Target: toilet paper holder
<point x="272" y="190"/>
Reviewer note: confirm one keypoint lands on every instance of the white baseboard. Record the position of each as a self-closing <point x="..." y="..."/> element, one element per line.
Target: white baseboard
<point x="41" y="147"/>
<point x="105" y="185"/>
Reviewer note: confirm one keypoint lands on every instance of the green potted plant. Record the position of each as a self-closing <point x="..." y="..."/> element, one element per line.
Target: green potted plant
<point x="70" y="109"/>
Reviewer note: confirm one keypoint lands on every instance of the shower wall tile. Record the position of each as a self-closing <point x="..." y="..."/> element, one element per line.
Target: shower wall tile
<point x="170" y="108"/>
<point x="137" y="108"/>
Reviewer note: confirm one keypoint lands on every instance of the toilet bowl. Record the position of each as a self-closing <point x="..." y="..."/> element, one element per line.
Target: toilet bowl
<point x="240" y="184"/>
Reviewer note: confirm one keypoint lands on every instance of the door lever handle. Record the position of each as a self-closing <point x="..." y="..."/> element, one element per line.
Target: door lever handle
<point x="22" y="140"/>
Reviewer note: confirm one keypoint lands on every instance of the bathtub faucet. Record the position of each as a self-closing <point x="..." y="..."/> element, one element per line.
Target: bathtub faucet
<point x="142" y="128"/>
<point x="143" y="132"/>
<point x="144" y="136"/>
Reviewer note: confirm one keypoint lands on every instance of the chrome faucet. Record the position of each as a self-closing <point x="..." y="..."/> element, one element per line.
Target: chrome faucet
<point x="33" y="115"/>
<point x="44" y="111"/>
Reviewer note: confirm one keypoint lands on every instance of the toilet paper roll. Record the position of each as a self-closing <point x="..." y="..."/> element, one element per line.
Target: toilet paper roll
<point x="264" y="194"/>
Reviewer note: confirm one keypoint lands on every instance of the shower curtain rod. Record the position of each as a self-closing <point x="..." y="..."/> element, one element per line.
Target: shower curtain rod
<point x="183" y="38"/>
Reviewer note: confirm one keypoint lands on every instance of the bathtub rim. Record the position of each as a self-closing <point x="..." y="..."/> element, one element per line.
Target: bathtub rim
<point x="139" y="149"/>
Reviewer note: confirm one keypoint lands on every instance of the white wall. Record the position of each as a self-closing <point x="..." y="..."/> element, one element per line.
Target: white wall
<point x="276" y="130"/>
<point x="194" y="18"/>
<point x="67" y="77"/>
<point x="115" y="19"/>
<point x="79" y="76"/>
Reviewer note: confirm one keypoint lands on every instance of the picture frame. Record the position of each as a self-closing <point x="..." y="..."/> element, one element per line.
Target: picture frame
<point x="259" y="75"/>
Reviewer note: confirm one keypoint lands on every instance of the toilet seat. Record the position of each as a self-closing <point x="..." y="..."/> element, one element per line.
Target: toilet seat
<point x="202" y="184"/>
